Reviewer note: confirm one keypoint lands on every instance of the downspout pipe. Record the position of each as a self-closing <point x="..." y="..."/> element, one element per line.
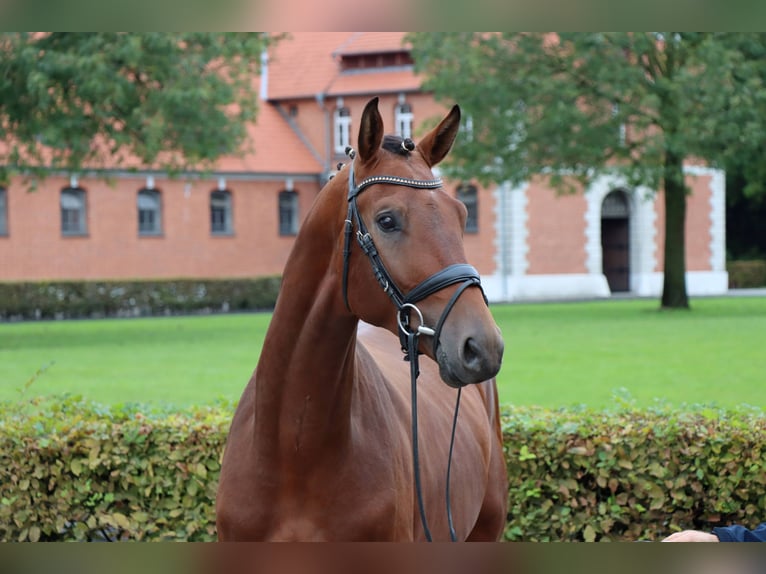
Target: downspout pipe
<point x="320" y="98"/>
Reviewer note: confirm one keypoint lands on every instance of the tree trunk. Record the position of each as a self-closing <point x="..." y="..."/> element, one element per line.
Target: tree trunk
<point x="674" y="285"/>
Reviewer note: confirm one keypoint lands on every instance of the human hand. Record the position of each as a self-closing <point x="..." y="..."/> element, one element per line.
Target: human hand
<point x="691" y="536"/>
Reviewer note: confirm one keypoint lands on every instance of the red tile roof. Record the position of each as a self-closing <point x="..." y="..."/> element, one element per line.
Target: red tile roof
<point x="272" y="147"/>
<point x="276" y="148"/>
<point x="302" y="65"/>
<point x="373" y="43"/>
<point x="306" y="64"/>
<point x="374" y="82"/>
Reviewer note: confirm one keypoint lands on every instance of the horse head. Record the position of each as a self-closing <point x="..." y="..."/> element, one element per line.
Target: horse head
<point x="407" y="269"/>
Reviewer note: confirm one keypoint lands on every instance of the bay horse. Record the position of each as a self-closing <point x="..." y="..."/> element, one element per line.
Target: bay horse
<point x="319" y="447"/>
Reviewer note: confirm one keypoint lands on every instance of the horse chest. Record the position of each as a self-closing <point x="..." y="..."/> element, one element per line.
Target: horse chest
<point x="352" y="502"/>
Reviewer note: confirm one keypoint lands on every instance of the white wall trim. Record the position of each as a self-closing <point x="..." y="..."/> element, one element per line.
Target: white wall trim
<point x="717" y="213"/>
<point x="511" y="229"/>
<point x="697" y="283"/>
<point x="643" y="233"/>
<point x="519" y="223"/>
<point x="707" y="283"/>
<point x="511" y="282"/>
<point x="593" y="286"/>
<point x="594" y="195"/>
<point x="718" y="222"/>
<point x="502" y="242"/>
<point x="511" y="234"/>
<point x="545" y="287"/>
<point x="701" y="170"/>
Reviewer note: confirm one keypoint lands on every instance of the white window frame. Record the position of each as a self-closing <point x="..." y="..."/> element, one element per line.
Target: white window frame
<point x="73" y="208"/>
<point x="468" y="194"/>
<point x="403" y="118"/>
<point x="155" y="196"/>
<point x="341" y="129"/>
<point x="220" y="202"/>
<point x="287" y="212"/>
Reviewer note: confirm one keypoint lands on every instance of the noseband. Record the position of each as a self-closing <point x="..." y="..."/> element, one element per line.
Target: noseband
<point x="408" y="337"/>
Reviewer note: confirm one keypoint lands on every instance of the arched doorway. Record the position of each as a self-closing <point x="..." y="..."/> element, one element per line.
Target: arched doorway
<point x="615" y="240"/>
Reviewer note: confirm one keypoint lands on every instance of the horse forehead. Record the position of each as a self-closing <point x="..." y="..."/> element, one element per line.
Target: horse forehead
<point x="411" y="166"/>
<point x="407" y="170"/>
<point x="431" y="202"/>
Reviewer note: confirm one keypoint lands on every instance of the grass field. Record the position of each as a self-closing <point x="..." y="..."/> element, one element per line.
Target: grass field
<point x="557" y="354"/>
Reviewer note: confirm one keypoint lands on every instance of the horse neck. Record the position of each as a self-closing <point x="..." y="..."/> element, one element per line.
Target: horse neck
<point x="305" y="375"/>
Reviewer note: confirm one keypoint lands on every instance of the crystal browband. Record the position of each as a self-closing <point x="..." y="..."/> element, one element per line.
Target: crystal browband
<point x="417" y="183"/>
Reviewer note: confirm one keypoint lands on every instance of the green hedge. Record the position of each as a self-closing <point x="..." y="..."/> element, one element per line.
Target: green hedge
<point x="71" y="470"/>
<point x="632" y="475"/>
<point x="81" y="299"/>
<point x="746" y="274"/>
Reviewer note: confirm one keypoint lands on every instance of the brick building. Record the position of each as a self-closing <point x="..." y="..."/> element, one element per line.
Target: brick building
<point x="240" y="221"/>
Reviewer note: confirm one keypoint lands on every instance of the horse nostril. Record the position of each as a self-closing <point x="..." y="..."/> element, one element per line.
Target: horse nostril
<point x="472" y="354"/>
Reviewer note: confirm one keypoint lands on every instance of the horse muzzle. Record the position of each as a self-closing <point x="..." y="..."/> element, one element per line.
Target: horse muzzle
<point x="469" y="358"/>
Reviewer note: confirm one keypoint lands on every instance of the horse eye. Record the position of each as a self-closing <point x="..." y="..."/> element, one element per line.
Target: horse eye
<point x="387" y="223"/>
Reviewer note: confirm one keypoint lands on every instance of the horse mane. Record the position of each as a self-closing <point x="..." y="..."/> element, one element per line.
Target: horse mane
<point x="393" y="144"/>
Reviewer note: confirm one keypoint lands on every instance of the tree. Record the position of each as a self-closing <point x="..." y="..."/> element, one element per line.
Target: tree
<point x="74" y="101"/>
<point x="745" y="168"/>
<point x="579" y="105"/>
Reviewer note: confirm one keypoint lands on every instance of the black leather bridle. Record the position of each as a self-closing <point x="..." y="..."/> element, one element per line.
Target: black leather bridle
<point x="457" y="273"/>
<point x="461" y="273"/>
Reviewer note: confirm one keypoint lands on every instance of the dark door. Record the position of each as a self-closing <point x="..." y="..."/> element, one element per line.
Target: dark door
<point x="616" y="253"/>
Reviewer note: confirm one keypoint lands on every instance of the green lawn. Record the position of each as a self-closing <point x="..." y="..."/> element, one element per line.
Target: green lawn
<point x="558" y="354"/>
<point x="596" y="353"/>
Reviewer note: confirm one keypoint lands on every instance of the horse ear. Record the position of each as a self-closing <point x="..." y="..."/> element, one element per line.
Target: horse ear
<point x="436" y="144"/>
<point x="370" y="131"/>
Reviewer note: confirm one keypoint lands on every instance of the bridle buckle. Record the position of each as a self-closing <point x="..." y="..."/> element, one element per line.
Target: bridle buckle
<point x="404" y="325"/>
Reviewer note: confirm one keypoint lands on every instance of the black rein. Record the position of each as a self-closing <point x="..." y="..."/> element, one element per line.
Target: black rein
<point x="409" y="338"/>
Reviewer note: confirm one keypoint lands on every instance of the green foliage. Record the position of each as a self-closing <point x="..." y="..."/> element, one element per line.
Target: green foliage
<point x="78" y="471"/>
<point x="574" y="106"/>
<point x="746" y="274"/>
<point x="540" y="103"/>
<point x="77" y="299"/>
<point x="632" y="475"/>
<point x="91" y="100"/>
<point x="75" y="470"/>
<point x="743" y="130"/>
